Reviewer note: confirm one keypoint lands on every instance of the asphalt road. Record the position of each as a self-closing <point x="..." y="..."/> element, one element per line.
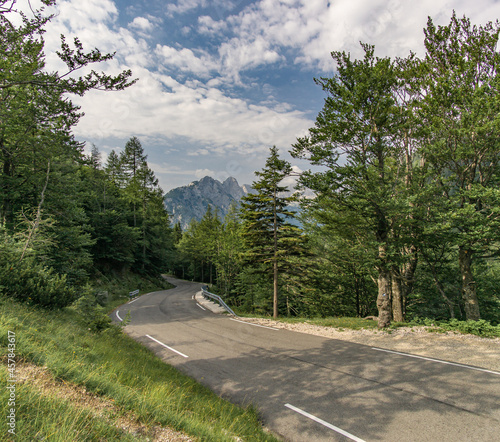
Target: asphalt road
<point x="309" y="388"/>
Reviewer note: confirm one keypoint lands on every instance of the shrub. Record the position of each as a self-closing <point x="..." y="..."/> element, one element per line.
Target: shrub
<point x="33" y="283"/>
<point x="479" y="328"/>
<point x="93" y="315"/>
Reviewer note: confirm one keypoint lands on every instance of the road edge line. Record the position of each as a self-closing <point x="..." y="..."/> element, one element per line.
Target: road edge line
<point x="456" y="364"/>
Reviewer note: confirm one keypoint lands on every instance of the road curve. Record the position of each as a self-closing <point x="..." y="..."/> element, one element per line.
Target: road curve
<point x="309" y="388"/>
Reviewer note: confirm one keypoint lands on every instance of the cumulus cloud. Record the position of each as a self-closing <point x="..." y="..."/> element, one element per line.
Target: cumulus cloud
<point x="182" y="6"/>
<point x="314" y="28"/>
<point x="142" y="24"/>
<point x="208" y="26"/>
<point x="191" y="92"/>
<point x="239" y="55"/>
<point x="200" y="173"/>
<point x="186" y="60"/>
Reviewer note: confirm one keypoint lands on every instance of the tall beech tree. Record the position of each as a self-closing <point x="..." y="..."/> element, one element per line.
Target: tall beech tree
<point x="460" y="87"/>
<point x="353" y="139"/>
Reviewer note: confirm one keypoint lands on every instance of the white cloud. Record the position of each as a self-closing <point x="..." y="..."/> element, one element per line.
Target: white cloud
<point x="209" y="26"/>
<point x="200" y="173"/>
<point x="142" y="24"/>
<point x="160" y="106"/>
<point x="239" y="55"/>
<point x="314" y="28"/>
<point x="186" y="60"/>
<point x="182" y="6"/>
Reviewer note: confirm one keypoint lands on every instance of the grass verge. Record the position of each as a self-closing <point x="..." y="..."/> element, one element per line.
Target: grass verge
<point x="480" y="328"/>
<point x="340" y="323"/>
<point x="115" y="367"/>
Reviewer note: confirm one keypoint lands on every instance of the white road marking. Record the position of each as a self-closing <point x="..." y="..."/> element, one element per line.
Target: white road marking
<point x="438" y="360"/>
<point x="118" y="316"/>
<point x="166" y="346"/>
<point x="322" y="422"/>
<point x="133" y="300"/>
<point x="200" y="306"/>
<point x="255" y="325"/>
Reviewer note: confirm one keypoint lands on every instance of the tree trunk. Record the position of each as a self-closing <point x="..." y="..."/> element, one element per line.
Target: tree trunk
<point x="384" y="298"/>
<point x="397" y="289"/>
<point x="384" y="277"/>
<point x="275" y="290"/>
<point x="275" y="238"/>
<point x="402" y="284"/>
<point x="469" y="295"/>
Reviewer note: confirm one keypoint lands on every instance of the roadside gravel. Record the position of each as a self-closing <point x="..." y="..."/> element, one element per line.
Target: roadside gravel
<point x="449" y="346"/>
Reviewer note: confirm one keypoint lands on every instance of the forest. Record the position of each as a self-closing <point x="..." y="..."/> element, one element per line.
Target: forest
<point x="65" y="218"/>
<point x="404" y="222"/>
<point x="405" y="219"/>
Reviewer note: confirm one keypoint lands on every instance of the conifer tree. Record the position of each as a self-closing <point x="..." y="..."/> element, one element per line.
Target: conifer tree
<point x="268" y="234"/>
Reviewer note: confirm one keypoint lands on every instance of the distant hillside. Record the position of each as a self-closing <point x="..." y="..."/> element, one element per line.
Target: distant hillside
<point x="191" y="201"/>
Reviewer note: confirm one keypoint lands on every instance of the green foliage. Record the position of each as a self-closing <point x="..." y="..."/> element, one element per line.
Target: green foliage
<point x="409" y="180"/>
<point x="62" y="217"/>
<point x="33" y="283"/>
<point x="93" y="315"/>
<point x="270" y="239"/>
<point x="479" y="328"/>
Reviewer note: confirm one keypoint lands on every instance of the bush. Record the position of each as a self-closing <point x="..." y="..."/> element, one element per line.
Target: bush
<point x="479" y="328"/>
<point x="33" y="283"/>
<point x="93" y="315"/>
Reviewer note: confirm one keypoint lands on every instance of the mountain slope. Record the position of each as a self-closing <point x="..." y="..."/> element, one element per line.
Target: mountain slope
<point x="191" y="202"/>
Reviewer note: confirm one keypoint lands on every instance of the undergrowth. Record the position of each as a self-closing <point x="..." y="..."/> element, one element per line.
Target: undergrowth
<point x="479" y="328"/>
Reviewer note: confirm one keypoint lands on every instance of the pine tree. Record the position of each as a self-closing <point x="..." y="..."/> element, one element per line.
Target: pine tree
<point x="268" y="234"/>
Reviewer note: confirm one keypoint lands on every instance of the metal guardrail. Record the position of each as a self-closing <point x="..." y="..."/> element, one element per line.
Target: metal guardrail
<point x="217" y="298"/>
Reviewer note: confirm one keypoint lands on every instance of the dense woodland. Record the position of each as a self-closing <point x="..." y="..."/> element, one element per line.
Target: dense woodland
<point x="65" y="217"/>
<point x="405" y="172"/>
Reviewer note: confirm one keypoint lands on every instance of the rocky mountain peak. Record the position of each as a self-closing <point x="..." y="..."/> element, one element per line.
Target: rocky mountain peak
<point x="191" y="202"/>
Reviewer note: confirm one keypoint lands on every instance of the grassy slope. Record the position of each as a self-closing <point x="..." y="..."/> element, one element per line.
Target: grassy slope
<point x="114" y="366"/>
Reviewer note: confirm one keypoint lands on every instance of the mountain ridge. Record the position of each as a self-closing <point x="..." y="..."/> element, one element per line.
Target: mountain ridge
<point x="190" y="202"/>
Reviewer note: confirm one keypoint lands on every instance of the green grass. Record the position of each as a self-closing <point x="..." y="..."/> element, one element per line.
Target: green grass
<point x="114" y="366"/>
<point x="350" y="323"/>
<point x="41" y="417"/>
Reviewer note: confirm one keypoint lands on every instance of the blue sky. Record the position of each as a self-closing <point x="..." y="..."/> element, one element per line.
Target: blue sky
<point x="221" y="81"/>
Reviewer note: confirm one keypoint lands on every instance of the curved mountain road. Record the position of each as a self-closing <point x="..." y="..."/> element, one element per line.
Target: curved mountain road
<point x="309" y="388"/>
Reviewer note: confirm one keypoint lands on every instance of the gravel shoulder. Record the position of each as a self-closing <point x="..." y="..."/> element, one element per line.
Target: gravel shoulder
<point x="449" y="346"/>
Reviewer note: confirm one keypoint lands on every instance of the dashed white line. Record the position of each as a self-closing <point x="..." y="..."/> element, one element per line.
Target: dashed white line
<point x="201" y="307"/>
<point x="166" y="346"/>
<point x="326" y="424"/>
<point x="118" y="316"/>
<point x="255" y="325"/>
<point x="438" y="360"/>
<point x="133" y="300"/>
